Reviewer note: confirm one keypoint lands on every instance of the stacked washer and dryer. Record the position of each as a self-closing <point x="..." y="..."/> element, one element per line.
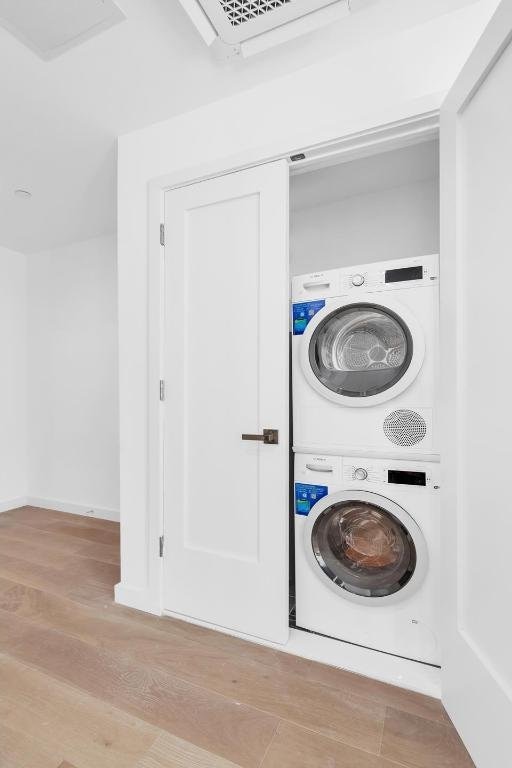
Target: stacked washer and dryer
<point x="367" y="518"/>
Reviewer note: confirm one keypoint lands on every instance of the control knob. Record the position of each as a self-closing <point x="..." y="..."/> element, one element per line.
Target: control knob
<point x="360" y="473"/>
<point x="357" y="280"/>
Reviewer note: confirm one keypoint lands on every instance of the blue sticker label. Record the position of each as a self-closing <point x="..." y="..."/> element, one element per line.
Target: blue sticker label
<point x="302" y="314"/>
<point x="306" y="496"/>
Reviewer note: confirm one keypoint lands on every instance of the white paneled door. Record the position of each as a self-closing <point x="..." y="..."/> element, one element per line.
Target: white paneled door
<point x="476" y="322"/>
<point x="226" y="372"/>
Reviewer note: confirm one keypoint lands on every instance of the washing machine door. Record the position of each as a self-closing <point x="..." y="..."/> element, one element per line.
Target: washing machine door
<point x="365" y="547"/>
<point x="362" y="353"/>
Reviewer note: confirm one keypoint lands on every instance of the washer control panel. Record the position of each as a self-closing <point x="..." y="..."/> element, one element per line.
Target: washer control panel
<point x="362" y="472"/>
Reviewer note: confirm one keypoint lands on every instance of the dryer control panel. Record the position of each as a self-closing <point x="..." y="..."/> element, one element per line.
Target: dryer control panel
<point x="391" y="275"/>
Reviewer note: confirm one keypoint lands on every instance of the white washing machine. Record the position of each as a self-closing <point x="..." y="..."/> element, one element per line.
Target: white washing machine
<point x="367" y="541"/>
<point x="364" y="358"/>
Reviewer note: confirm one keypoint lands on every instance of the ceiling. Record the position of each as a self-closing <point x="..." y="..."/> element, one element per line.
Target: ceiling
<point x="60" y="118"/>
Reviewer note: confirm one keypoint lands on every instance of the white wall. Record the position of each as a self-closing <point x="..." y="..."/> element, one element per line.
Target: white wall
<point x="13" y="378"/>
<point x="72" y="374"/>
<point x="389" y="224"/>
<point x="404" y="74"/>
<point x="384" y="206"/>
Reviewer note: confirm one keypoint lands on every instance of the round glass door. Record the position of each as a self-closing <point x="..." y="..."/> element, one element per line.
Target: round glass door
<point x="363" y="549"/>
<point x="360" y="350"/>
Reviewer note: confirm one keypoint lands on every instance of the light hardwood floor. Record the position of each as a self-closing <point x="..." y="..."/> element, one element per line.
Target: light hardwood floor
<point x="88" y="684"/>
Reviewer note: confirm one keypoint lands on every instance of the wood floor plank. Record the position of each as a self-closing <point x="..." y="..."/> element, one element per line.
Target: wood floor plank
<point x="53" y="580"/>
<point x="98" y="595"/>
<point x="420" y="743"/>
<point x="349" y="718"/>
<point x="19" y="750"/>
<point x="340" y="679"/>
<point x="22" y="751"/>
<point x="53" y="542"/>
<point x="170" y="752"/>
<point x="383" y="693"/>
<point x="79" y="530"/>
<point x="94" y="571"/>
<point x="341" y="716"/>
<point x="67" y="723"/>
<point x="78" y="570"/>
<point x="29" y="513"/>
<point x="44" y="577"/>
<point x="58" y="612"/>
<point x="34" y="553"/>
<point x="312" y="671"/>
<point x="294" y="747"/>
<point x="213" y="722"/>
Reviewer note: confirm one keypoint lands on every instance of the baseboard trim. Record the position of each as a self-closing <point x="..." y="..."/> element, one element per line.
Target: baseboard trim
<point x="8" y="504"/>
<point x="57" y="505"/>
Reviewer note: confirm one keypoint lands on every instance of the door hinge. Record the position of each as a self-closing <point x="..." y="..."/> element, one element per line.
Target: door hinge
<point x="161" y="546"/>
<point x="162" y="234"/>
<point x="162" y="390"/>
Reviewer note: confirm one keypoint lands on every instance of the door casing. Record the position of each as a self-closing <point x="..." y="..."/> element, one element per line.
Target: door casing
<point x="468" y="665"/>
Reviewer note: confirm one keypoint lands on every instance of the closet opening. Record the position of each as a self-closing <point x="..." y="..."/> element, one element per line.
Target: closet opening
<point x="348" y="212"/>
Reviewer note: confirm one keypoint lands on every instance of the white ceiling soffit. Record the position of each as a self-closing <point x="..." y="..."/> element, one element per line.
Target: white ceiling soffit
<point x="50" y="27"/>
<point x="246" y="27"/>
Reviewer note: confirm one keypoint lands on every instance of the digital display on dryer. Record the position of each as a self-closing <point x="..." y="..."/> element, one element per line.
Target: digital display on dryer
<point x="405" y="273"/>
<point x="401" y="477"/>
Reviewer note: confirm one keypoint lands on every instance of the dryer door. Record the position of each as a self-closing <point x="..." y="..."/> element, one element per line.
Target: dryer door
<point x="365" y="547"/>
<point x="362" y="353"/>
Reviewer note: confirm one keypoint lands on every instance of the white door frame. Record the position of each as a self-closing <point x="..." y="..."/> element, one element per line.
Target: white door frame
<point x="411" y="130"/>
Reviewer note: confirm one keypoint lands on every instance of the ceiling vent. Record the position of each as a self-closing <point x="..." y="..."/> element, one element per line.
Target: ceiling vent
<point x="51" y="27"/>
<point x="246" y="27"/>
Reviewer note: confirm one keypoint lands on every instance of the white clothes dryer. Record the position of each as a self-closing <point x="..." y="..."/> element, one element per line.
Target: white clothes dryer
<point x="364" y="358"/>
<point x="367" y="548"/>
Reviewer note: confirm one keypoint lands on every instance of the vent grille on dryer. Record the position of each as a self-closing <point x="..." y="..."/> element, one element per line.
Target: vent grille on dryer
<point x="405" y="427"/>
<point x="240" y="11"/>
